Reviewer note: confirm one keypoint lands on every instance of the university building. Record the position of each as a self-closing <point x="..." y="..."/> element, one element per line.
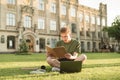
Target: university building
<point x="39" y="22"/>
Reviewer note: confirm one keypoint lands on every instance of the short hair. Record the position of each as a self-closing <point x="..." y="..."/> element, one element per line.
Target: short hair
<point x="65" y="30"/>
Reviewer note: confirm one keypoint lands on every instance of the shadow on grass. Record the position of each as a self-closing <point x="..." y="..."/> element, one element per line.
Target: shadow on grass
<point x="13" y="72"/>
<point x="20" y="71"/>
<point x="37" y="75"/>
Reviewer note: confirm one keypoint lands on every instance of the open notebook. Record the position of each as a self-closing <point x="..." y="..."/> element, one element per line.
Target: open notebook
<point x="57" y="51"/>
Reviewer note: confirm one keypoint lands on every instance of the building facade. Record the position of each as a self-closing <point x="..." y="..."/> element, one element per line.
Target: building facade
<point x="39" y="22"/>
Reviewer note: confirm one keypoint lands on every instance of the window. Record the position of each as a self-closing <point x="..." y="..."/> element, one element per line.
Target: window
<point x="63" y="10"/>
<point x="81" y="17"/>
<point x="11" y="1"/>
<point x="88" y="45"/>
<point x="63" y="24"/>
<point x="88" y="33"/>
<point x="100" y="45"/>
<point x="73" y="12"/>
<point x="74" y="29"/>
<point x="82" y="46"/>
<point x="41" y="5"/>
<point x="27" y="22"/>
<point x="53" y="42"/>
<point x="94" y="45"/>
<point x="99" y="34"/>
<point x="87" y="18"/>
<point x="93" y="19"/>
<point x="93" y="35"/>
<point x="103" y="21"/>
<point x="11" y="42"/>
<point x="2" y="39"/>
<point x="48" y="41"/>
<point x="98" y="20"/>
<point x="41" y="24"/>
<point x="10" y="19"/>
<point x="53" y="7"/>
<point x="82" y="33"/>
<point x="52" y="25"/>
<point x="42" y="43"/>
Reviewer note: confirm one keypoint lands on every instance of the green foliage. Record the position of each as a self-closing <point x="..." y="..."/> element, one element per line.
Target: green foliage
<point x="23" y="47"/>
<point x="114" y="30"/>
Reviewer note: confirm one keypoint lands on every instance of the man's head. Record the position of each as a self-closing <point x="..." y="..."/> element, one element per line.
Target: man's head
<point x="65" y="34"/>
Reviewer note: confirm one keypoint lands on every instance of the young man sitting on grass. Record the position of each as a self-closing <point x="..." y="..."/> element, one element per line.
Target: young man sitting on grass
<point x="72" y="47"/>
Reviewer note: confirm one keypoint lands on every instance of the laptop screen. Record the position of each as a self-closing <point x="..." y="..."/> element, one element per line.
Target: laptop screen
<point x="70" y="66"/>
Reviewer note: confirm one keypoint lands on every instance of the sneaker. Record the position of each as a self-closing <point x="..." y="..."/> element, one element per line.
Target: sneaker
<point x="55" y="69"/>
<point x="38" y="71"/>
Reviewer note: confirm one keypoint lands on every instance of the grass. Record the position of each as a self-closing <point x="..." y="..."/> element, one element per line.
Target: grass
<point x="99" y="66"/>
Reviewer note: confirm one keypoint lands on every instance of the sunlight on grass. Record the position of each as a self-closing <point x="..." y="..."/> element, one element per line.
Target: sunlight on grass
<point x="97" y="67"/>
<point x="103" y="73"/>
<point x="21" y="64"/>
<point x="103" y="61"/>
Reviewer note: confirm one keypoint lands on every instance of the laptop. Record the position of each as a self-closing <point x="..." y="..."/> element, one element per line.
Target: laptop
<point x="70" y="66"/>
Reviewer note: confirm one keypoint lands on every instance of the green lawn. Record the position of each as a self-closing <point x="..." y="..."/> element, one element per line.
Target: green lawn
<point x="99" y="66"/>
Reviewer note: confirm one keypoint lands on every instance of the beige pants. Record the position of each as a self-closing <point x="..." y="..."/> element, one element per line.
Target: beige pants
<point x="55" y="63"/>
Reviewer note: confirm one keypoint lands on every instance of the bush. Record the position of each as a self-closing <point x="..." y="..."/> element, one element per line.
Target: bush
<point x="23" y="47"/>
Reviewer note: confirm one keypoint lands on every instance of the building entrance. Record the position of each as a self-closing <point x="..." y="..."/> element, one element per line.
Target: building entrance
<point x="30" y="43"/>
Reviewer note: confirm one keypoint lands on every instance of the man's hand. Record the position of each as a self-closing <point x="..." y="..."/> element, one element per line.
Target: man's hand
<point x="69" y="56"/>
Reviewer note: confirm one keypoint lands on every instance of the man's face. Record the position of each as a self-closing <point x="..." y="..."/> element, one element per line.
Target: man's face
<point x="65" y="37"/>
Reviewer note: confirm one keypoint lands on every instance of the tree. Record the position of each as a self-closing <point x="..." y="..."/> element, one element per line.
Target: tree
<point x="114" y="30"/>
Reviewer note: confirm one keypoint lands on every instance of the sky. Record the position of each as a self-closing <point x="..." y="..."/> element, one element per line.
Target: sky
<point x="113" y="7"/>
